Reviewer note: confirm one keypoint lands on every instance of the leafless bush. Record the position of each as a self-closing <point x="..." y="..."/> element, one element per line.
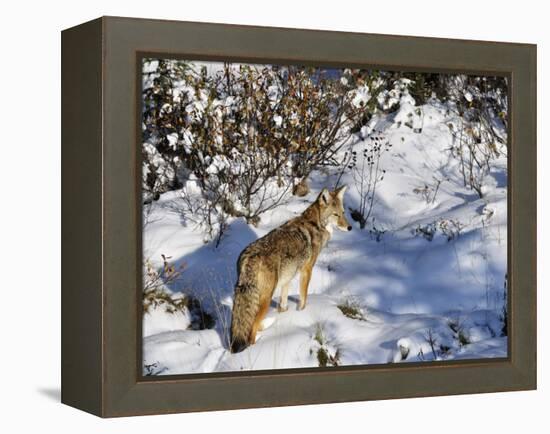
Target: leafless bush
<point x="432" y="342"/>
<point x="251" y="132"/>
<point x="480" y="131"/>
<point x="367" y="173"/>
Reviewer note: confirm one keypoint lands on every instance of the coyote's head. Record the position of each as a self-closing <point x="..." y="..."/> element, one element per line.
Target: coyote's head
<point x="331" y="204"/>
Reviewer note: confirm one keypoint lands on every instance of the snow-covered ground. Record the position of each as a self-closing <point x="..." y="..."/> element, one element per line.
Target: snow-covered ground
<point x="410" y="295"/>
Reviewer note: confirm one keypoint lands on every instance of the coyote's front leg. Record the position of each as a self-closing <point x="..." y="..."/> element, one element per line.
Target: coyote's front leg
<point x="305" y="277"/>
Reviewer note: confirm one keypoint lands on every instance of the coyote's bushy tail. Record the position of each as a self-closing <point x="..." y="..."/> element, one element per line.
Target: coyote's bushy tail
<point x="245" y="309"/>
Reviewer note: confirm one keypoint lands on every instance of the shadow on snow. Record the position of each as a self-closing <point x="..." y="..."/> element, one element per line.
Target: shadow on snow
<point x="210" y="274"/>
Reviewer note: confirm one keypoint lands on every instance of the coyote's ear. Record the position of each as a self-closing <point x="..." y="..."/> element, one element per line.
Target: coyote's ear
<point x="324" y="197"/>
<point x="340" y="192"/>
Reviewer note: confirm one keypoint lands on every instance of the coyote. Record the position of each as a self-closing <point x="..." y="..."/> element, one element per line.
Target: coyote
<point x="272" y="261"/>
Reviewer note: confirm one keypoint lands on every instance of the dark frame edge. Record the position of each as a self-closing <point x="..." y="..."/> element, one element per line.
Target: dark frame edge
<point x="517" y="380"/>
<point x="523" y="296"/>
<point x="81" y="214"/>
<point x="309" y="30"/>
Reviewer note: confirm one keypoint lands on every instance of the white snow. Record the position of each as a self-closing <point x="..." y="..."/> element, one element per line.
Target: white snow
<point x="172" y="140"/>
<point x="361" y="96"/>
<point x="278" y="120"/>
<point x="158" y="321"/>
<point x="409" y="291"/>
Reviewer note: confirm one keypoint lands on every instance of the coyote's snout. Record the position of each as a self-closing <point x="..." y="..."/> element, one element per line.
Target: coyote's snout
<point x="272" y="261"/>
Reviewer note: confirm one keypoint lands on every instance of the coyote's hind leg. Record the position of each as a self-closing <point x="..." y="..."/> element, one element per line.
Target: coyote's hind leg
<point x="257" y="326"/>
<point x="283" y="302"/>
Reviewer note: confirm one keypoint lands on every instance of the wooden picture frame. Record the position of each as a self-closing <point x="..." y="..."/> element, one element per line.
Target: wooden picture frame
<point x="101" y="221"/>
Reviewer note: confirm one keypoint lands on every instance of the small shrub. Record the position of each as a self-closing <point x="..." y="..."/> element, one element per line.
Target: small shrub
<point x="459" y="333"/>
<point x="377" y="233"/>
<point x="428" y="191"/>
<point x="463" y="338"/>
<point x="426" y="231"/>
<point x="352" y="309"/>
<point x="200" y="318"/>
<point x="450" y="228"/>
<point x="358" y="217"/>
<point x="444" y="349"/>
<point x="453" y="325"/>
<point x="326" y="359"/>
<point x="324" y="356"/>
<point x="153" y="369"/>
<point x="159" y="297"/>
<point x="154" y="286"/>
